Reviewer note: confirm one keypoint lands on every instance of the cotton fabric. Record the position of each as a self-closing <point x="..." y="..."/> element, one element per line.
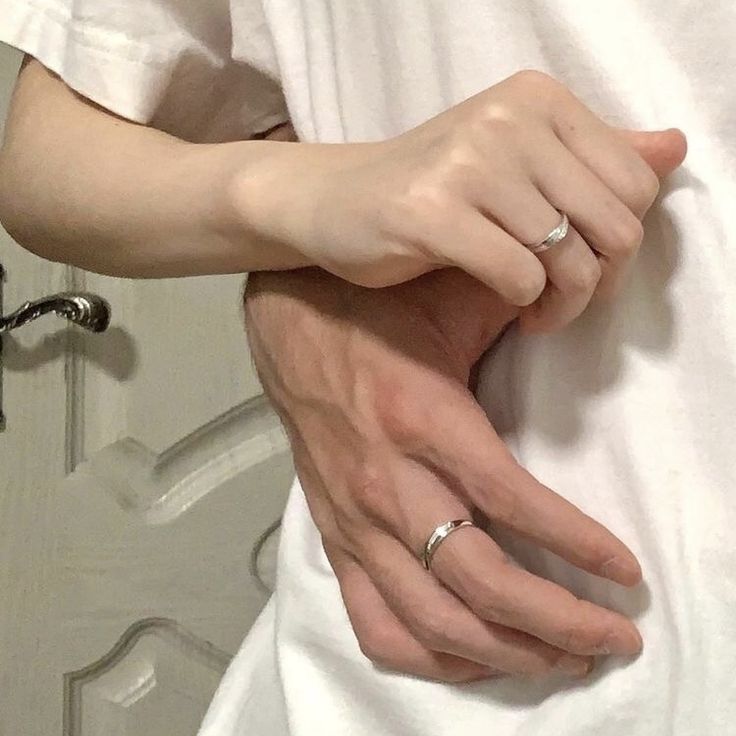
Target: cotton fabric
<point x="168" y="63"/>
<point x="629" y="413"/>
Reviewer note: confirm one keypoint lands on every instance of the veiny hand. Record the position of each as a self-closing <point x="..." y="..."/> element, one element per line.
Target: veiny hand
<point x="389" y="442"/>
<point x="468" y="188"/>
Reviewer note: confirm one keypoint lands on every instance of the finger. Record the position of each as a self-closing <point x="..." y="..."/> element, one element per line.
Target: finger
<point x="443" y="623"/>
<point x="384" y="639"/>
<point x="663" y="150"/>
<point x="574" y="272"/>
<point x="432" y="615"/>
<point x="478" y="572"/>
<point x="380" y="634"/>
<point x="602" y="219"/>
<point x="572" y="268"/>
<point x="476" y="460"/>
<point x="616" y="163"/>
<point x="471" y="242"/>
<point x="630" y="163"/>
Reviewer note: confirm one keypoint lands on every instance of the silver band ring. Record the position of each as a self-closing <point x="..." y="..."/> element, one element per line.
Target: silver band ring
<point x="553" y="238"/>
<point x="439" y="535"/>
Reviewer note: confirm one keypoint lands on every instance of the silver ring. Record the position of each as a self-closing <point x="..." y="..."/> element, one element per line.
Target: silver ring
<point x="439" y="535"/>
<point x="553" y="238"/>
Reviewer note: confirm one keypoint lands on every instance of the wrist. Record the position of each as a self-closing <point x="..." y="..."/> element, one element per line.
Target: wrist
<point x="204" y="181"/>
<point x="259" y="195"/>
<point x="297" y="195"/>
<point x="465" y="311"/>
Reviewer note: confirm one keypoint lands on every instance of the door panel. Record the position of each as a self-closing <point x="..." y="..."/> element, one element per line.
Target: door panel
<point x="139" y="470"/>
<point x="164" y="333"/>
<point x="157" y="670"/>
<point x="125" y="561"/>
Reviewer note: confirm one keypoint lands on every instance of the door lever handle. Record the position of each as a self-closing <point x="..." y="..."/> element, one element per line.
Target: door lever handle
<point x="86" y="310"/>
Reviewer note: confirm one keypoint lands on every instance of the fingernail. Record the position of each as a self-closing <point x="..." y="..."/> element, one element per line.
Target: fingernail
<point x="624" y="571"/>
<point x="625" y="643"/>
<point x="575" y="666"/>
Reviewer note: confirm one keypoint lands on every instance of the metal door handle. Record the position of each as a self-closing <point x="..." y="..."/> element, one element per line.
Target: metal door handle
<point x="86" y="310"/>
<point x="89" y="311"/>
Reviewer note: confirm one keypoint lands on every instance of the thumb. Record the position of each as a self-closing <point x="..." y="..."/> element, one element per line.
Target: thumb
<point x="663" y="150"/>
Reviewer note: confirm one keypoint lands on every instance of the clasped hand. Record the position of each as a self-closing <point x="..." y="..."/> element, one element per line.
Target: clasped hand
<point x="372" y="384"/>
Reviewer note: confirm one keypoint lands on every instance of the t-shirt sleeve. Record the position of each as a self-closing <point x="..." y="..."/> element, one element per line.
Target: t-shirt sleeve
<point x="165" y="63"/>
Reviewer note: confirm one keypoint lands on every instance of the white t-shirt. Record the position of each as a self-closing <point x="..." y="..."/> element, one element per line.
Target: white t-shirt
<point x="629" y="413"/>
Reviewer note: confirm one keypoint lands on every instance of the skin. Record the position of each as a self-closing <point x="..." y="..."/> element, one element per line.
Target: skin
<point x="380" y="471"/>
<point x="467" y="188"/>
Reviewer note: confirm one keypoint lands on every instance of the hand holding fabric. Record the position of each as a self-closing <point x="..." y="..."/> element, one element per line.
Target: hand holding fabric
<point x="472" y="187"/>
<point x="389" y="442"/>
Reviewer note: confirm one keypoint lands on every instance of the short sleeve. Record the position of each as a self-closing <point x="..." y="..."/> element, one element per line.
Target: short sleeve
<point x="165" y="63"/>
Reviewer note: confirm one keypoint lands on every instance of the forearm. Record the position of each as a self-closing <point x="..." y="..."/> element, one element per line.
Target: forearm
<point x="82" y="186"/>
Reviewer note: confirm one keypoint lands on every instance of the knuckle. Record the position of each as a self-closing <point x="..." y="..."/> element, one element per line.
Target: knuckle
<point x="460" y="158"/>
<point x="412" y="216"/>
<point x="457" y="168"/>
<point x="367" y="491"/>
<point x="463" y="158"/>
<point x="400" y="414"/>
<point x="433" y="629"/>
<point x="534" y="78"/>
<point x="490" y="608"/>
<point x="539" y="88"/>
<point x="497" y="119"/>
<point x="377" y="646"/>
<point x="584" y="278"/>
<point x="651" y="186"/>
<point x="627" y="234"/>
<point x="642" y="192"/>
<point x="527" y="286"/>
<point x="419" y="194"/>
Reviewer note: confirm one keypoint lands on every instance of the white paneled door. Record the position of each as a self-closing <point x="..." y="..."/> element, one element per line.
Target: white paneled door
<point x="138" y="469"/>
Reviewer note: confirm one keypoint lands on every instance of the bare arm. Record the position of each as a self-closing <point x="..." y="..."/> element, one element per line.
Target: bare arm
<point x="83" y="186"/>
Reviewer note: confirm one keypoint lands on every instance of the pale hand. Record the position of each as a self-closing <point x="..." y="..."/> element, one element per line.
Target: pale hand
<point x="470" y="188"/>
